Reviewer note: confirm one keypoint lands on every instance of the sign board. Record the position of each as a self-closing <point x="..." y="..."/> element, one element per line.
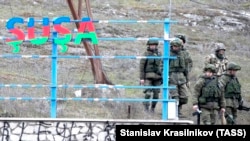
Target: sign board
<point x="86" y="30"/>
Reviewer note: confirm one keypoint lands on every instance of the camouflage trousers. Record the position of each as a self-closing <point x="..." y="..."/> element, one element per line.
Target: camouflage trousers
<point x="208" y="116"/>
<point x="231" y="115"/>
<point x="181" y="94"/>
<point x="154" y="93"/>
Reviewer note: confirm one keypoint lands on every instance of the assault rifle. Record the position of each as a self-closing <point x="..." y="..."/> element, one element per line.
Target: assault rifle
<point x="242" y="107"/>
<point x="197" y="113"/>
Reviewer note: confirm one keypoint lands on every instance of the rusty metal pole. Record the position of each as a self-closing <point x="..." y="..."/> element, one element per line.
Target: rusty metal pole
<point x="100" y="74"/>
<point x="80" y="8"/>
<point x="76" y="17"/>
<point x="96" y="66"/>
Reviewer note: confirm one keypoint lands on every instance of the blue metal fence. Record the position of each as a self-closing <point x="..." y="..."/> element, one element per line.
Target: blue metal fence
<point x="54" y="57"/>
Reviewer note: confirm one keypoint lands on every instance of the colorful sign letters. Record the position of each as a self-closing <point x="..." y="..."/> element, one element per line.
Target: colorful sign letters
<point x="86" y="30"/>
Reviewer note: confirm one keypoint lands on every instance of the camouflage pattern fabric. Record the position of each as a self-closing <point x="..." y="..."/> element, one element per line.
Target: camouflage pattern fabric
<point x="208" y="104"/>
<point x="231" y="88"/>
<point x="151" y="72"/>
<point x="188" y="60"/>
<point x="220" y="64"/>
<point x="177" y="76"/>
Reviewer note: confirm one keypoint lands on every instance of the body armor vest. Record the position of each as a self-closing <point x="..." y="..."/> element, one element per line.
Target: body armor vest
<point x="210" y="91"/>
<point x="221" y="65"/>
<point x="233" y="89"/>
<point x="152" y="65"/>
<point x="178" y="64"/>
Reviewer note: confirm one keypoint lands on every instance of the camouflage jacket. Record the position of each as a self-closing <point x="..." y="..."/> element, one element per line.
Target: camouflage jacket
<point x="207" y="93"/>
<point x="220" y="64"/>
<point x="232" y="90"/>
<point x="151" y="67"/>
<point x="177" y="68"/>
<point x="188" y="63"/>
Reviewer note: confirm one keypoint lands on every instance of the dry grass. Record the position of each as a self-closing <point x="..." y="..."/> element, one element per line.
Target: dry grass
<point x="119" y="71"/>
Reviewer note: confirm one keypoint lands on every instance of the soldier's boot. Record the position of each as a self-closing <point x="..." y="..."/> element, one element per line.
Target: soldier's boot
<point x="146" y="103"/>
<point x="146" y="107"/>
<point x="155" y="96"/>
<point x="180" y="114"/>
<point x="182" y="101"/>
<point x="152" y="110"/>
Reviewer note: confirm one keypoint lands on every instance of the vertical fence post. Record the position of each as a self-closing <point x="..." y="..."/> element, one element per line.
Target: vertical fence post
<point x="53" y="76"/>
<point x="166" y="55"/>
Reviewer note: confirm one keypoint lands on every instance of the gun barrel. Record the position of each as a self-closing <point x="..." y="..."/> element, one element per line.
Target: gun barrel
<point x="245" y="108"/>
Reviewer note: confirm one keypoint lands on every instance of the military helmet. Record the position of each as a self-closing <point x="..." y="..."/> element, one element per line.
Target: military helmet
<point x="176" y="42"/>
<point x="233" y="66"/>
<point x="182" y="37"/>
<point x="152" y="42"/>
<point x="219" y="46"/>
<point x="210" y="67"/>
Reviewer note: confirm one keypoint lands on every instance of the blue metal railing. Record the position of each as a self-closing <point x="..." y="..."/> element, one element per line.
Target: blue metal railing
<point x="82" y="57"/>
<point x="82" y="86"/>
<point x="86" y="99"/>
<point x="54" y="56"/>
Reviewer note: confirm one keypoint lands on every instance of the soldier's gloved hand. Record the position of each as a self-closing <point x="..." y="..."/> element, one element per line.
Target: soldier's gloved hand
<point x="188" y="84"/>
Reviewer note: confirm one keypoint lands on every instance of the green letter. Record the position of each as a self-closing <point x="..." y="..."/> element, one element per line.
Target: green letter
<point x="89" y="35"/>
<point x="15" y="45"/>
<point x="63" y="41"/>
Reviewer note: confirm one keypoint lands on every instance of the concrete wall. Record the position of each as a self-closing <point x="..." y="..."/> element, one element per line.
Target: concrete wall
<point x="43" y="129"/>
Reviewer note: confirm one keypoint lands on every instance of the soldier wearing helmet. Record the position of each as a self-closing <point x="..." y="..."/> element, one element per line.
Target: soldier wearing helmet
<point x="153" y="42"/>
<point x="151" y="73"/>
<point x="188" y="59"/>
<point x="207" y="96"/>
<point x="231" y="89"/>
<point x="233" y="66"/>
<point x="182" y="37"/>
<point x="210" y="68"/>
<point x="177" y="76"/>
<point x="218" y="58"/>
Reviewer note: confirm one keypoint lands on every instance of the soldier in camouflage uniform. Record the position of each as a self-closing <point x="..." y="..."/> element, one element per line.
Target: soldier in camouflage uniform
<point x="188" y="59"/>
<point x="151" y="73"/>
<point x="231" y="88"/>
<point x="208" y="97"/>
<point x="218" y="59"/>
<point x="177" y="76"/>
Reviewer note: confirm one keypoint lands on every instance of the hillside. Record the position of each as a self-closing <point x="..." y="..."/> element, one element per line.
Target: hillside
<point x="203" y="22"/>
